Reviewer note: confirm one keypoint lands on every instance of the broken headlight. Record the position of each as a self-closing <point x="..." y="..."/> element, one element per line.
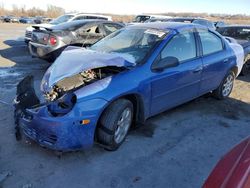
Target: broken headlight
<point x="63" y="105"/>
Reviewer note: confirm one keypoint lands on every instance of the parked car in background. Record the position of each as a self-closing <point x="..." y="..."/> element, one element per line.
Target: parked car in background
<point x="233" y="169"/>
<point x="219" y="24"/>
<point x="26" y="20"/>
<point x="65" y="18"/>
<point x="11" y="19"/>
<point x="242" y="35"/>
<point x="199" y="21"/>
<point x="1" y="18"/>
<point x="143" y="18"/>
<point x="157" y="20"/>
<point x="48" y="43"/>
<point x="141" y="70"/>
<point x="38" y="19"/>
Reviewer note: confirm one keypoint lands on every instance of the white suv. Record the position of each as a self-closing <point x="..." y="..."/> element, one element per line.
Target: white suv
<point x="65" y="18"/>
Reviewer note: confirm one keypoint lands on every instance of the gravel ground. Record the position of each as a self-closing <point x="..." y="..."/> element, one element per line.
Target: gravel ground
<point x="177" y="148"/>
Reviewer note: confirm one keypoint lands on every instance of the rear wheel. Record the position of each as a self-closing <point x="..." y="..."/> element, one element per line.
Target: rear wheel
<point x="115" y="123"/>
<point x="226" y="86"/>
<point x="246" y="68"/>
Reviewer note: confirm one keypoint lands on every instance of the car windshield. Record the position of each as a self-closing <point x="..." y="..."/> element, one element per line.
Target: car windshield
<point x="61" y="19"/>
<point x="132" y="43"/>
<point x="239" y="33"/>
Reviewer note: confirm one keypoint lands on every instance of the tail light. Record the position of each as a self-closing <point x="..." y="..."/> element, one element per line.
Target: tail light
<point x="52" y="40"/>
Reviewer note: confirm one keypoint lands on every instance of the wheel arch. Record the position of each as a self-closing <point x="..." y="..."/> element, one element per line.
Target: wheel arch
<point x="235" y="70"/>
<point x="138" y="105"/>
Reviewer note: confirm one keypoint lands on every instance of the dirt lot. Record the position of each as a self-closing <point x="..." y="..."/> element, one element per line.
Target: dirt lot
<point x="175" y="149"/>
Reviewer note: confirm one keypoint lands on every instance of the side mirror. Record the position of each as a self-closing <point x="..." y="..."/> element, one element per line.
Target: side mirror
<point x="166" y="62"/>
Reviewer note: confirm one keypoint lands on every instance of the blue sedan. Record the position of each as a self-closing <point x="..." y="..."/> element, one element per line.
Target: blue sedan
<point x="97" y="94"/>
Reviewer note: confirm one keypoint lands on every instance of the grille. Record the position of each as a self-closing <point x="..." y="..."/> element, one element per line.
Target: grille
<point x="43" y="137"/>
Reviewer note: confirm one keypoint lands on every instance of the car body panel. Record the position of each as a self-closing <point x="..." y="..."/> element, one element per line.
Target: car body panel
<point x="63" y="133"/>
<point x="233" y="170"/>
<point x="156" y="90"/>
<point x="75" y="16"/>
<point x="72" y="33"/>
<point x="77" y="60"/>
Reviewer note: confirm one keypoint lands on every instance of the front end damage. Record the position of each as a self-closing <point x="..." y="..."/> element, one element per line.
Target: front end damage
<point x="62" y="122"/>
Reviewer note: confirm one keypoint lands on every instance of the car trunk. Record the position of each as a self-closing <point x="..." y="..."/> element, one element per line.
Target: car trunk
<point x="40" y="36"/>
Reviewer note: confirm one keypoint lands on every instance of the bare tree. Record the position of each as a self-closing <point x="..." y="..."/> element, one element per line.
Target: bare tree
<point x="54" y="11"/>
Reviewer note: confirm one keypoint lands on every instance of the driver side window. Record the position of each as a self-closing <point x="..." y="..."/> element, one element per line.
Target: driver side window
<point x="182" y="46"/>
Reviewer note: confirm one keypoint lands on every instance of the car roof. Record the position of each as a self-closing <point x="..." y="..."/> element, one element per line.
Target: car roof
<point x="166" y="26"/>
<point x="66" y="25"/>
<point x="88" y="14"/>
<point x="236" y="26"/>
<point x="191" y="19"/>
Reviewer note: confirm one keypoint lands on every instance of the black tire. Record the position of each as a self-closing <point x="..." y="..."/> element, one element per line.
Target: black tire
<point x="106" y="131"/>
<point x="218" y="93"/>
<point x="245" y="69"/>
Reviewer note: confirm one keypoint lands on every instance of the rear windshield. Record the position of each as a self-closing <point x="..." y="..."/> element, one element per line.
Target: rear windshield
<point x="61" y="19"/>
<point x="241" y="33"/>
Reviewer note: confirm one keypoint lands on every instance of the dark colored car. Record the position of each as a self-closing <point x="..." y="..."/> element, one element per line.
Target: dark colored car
<point x="199" y="21"/>
<point x="242" y="35"/>
<point x="26" y="20"/>
<point x="97" y="93"/>
<point x="157" y="20"/>
<point x="48" y="43"/>
<point x="219" y="24"/>
<point x="233" y="170"/>
<point x="11" y="19"/>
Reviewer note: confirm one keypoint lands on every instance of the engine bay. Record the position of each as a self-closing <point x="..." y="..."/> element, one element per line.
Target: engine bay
<point x="79" y="80"/>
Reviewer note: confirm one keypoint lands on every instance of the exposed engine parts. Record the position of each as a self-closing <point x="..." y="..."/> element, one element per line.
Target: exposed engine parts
<point x="79" y="80"/>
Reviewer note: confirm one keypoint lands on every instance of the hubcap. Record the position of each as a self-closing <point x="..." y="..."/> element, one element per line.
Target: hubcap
<point x="228" y="85"/>
<point x="123" y="125"/>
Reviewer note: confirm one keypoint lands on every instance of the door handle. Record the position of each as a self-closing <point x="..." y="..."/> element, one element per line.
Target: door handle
<point x="198" y="69"/>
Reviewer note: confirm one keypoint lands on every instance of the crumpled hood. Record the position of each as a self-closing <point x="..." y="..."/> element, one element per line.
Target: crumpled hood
<point x="74" y="60"/>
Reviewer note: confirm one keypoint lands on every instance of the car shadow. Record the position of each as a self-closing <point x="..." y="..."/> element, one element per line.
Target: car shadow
<point x="16" y="63"/>
<point x="245" y="78"/>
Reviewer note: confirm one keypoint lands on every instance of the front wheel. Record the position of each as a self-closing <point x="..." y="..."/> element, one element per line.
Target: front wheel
<point x="226" y="86"/>
<point x="115" y="123"/>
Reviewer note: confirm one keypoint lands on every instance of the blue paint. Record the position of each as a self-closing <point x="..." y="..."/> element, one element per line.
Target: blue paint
<point x="158" y="91"/>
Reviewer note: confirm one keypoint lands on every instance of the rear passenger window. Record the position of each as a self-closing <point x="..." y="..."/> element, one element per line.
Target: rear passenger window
<point x="181" y="46"/>
<point x="211" y="43"/>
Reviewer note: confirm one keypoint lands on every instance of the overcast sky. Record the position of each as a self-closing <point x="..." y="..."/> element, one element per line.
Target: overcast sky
<point x="140" y="6"/>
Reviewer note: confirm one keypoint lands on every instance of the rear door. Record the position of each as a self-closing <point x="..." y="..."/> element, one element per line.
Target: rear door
<point x="177" y="85"/>
<point x="215" y="60"/>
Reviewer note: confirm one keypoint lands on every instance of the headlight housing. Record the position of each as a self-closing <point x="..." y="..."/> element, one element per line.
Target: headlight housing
<point x="63" y="105"/>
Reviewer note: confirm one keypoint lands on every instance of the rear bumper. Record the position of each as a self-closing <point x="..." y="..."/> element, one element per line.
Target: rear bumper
<point x="39" y="50"/>
<point x="45" y="51"/>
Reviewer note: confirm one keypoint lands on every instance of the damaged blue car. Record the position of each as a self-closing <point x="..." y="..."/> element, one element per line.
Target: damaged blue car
<point x="96" y="95"/>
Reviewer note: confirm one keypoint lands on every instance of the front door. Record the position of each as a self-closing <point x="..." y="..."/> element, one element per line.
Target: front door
<point x="179" y="84"/>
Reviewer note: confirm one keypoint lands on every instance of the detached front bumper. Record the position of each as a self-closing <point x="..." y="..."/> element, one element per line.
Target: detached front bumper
<point x="64" y="133"/>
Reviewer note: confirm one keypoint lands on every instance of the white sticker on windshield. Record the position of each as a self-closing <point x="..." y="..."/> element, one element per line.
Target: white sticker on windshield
<point x="155" y="32"/>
